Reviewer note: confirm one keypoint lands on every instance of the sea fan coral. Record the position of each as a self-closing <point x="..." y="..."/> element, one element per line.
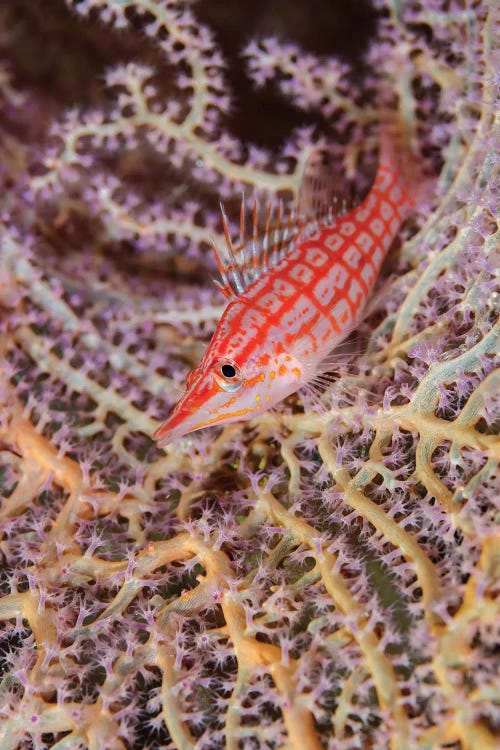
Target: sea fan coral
<point x="320" y="577"/>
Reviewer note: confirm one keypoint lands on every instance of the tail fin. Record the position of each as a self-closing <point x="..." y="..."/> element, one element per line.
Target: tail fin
<point x="397" y="156"/>
<point x="324" y="191"/>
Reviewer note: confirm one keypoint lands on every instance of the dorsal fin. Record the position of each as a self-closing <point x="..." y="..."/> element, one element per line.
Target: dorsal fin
<point x="324" y="194"/>
<point x="273" y="234"/>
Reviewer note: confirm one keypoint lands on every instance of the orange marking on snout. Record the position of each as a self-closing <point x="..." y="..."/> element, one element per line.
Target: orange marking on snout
<point x="216" y="420"/>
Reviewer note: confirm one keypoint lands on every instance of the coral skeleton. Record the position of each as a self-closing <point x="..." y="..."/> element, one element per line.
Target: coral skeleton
<point x="323" y="576"/>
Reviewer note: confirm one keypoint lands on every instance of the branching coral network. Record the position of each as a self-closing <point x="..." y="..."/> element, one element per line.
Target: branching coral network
<point x="323" y="576"/>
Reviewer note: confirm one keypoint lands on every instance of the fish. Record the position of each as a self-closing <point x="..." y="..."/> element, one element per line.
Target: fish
<point x="295" y="291"/>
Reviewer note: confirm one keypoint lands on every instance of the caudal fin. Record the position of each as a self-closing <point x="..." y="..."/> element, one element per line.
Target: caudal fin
<point x="398" y="157"/>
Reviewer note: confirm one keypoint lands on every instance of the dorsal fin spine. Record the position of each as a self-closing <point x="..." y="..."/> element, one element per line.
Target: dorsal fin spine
<point x="233" y="267"/>
<point x="225" y="290"/>
<point x="277" y="231"/>
<point x="255" y="236"/>
<point x="256" y="251"/>
<point x="225" y="286"/>
<point x="242" y="220"/>
<point x="265" y="243"/>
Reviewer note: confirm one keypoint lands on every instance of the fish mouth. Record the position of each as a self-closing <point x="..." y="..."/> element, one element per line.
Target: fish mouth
<point x="177" y="425"/>
<point x="185" y="415"/>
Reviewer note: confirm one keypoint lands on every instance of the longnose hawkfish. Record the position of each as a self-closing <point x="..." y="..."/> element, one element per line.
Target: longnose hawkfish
<point x="295" y="291"/>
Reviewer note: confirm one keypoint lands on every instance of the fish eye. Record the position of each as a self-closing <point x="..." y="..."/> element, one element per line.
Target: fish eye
<point x="229" y="371"/>
<point x="228" y="376"/>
